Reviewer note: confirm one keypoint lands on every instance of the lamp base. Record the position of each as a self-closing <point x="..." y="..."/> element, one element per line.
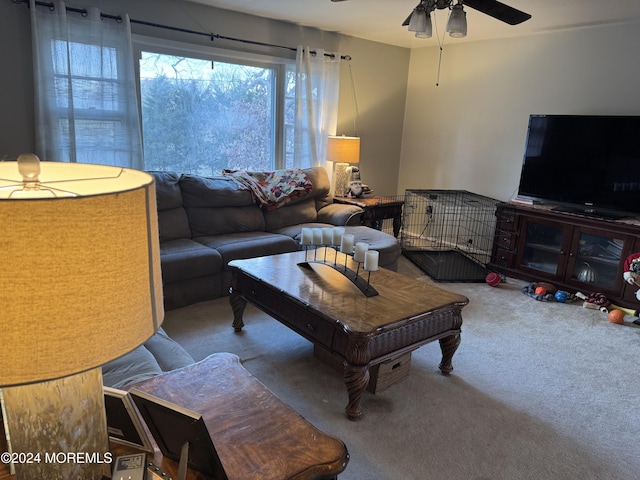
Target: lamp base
<point x="340" y="179"/>
<point x="59" y="427"/>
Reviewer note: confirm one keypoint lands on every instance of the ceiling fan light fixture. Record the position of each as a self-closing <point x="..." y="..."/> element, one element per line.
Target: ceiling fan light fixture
<point x="457" y="22"/>
<point x="457" y="25"/>
<point x="418" y="20"/>
<point x="427" y="31"/>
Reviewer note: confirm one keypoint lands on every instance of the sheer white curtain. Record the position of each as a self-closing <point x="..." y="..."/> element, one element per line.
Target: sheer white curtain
<point x="317" y="89"/>
<point x="86" y="105"/>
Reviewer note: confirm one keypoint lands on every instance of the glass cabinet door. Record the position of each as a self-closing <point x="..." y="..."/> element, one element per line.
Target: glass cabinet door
<point x="542" y="247"/>
<point x="597" y="259"/>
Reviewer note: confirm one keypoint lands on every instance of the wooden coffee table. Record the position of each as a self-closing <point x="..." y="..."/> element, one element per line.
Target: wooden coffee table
<point x="324" y="307"/>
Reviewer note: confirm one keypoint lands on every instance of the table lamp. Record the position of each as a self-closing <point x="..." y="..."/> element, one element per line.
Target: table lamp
<point x="80" y="285"/>
<point x="342" y="151"/>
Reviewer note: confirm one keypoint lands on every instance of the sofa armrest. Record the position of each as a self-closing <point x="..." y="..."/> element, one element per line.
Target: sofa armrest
<point x="169" y="354"/>
<point x="157" y="355"/>
<point x="340" y="214"/>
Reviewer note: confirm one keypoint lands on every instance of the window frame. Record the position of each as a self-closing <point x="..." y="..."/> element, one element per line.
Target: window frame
<point x="58" y="106"/>
<point x="280" y="66"/>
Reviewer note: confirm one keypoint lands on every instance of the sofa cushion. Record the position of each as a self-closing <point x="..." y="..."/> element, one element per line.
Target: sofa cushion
<point x="132" y="367"/>
<point x="221" y="220"/>
<point x="200" y="191"/>
<point x="292" y="214"/>
<point x="294" y="231"/>
<point x="173" y="223"/>
<point x="169" y="354"/>
<point x="386" y="244"/>
<point x="172" y="218"/>
<point x="184" y="258"/>
<point x="337" y="214"/>
<point x="193" y="290"/>
<point x="248" y="244"/>
<point x="320" y="179"/>
<point x="157" y="355"/>
<point x="168" y="193"/>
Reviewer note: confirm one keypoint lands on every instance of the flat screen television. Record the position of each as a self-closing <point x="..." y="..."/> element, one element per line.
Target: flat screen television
<point x="588" y="164"/>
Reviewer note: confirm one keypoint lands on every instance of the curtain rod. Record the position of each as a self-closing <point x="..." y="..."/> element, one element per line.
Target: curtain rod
<point x="212" y="36"/>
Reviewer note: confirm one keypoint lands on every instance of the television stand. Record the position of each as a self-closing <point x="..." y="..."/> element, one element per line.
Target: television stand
<point x="590" y="212"/>
<point x="575" y="251"/>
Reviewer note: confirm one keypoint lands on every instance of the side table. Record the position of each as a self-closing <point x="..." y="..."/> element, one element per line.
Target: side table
<point x="256" y="435"/>
<point x="376" y="209"/>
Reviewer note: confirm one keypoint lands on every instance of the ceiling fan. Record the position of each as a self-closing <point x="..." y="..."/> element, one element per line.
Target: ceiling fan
<point x="419" y="21"/>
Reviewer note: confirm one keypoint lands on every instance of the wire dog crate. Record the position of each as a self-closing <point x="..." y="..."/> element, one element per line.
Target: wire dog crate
<point x="449" y="234"/>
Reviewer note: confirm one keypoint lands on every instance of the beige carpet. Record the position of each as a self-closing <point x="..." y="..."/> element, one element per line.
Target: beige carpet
<point x="540" y="390"/>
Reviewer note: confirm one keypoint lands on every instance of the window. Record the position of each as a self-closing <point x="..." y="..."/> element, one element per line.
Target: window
<point x="205" y="111"/>
<point x="94" y="84"/>
<point x="86" y="104"/>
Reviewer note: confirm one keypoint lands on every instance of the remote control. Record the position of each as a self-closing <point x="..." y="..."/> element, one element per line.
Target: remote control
<point x="130" y="467"/>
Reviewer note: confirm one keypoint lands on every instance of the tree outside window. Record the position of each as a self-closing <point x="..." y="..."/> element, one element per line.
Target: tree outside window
<point x="201" y="116"/>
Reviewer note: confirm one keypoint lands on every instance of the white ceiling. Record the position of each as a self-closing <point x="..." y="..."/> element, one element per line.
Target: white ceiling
<point x="380" y="20"/>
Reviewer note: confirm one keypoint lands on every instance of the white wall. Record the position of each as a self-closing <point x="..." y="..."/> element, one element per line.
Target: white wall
<point x="379" y="71"/>
<point x="469" y="132"/>
<point x="380" y="75"/>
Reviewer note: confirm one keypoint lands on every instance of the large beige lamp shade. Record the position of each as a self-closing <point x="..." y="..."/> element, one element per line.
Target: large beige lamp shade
<point x="80" y="285"/>
<point x="342" y="151"/>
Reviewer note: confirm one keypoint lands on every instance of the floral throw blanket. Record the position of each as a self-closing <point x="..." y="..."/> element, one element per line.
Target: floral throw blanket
<point x="273" y="189"/>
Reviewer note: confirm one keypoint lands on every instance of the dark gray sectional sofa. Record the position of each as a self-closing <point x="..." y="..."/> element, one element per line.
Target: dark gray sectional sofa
<point x="204" y="223"/>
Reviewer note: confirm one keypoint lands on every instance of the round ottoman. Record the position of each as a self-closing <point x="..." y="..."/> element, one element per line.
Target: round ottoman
<point x="386" y="244"/>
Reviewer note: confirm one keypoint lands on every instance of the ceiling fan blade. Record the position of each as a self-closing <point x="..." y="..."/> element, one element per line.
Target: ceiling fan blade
<point x="498" y="10"/>
<point x="406" y="22"/>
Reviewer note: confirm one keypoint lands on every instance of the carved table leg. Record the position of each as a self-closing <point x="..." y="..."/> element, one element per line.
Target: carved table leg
<point x="448" y="345"/>
<point x="357" y="379"/>
<point x="238" y="305"/>
<point x="397" y="225"/>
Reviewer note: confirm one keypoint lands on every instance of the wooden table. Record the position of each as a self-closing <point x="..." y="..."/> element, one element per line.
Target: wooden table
<point x="376" y="209"/>
<point x="326" y="308"/>
<point x="256" y="435"/>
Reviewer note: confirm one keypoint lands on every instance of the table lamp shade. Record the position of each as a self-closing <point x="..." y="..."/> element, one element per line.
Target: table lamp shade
<point x="80" y="281"/>
<point x="343" y="149"/>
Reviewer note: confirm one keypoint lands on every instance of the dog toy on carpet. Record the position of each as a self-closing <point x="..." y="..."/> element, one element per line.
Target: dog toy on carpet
<point x="615" y="313"/>
<point x="545" y="292"/>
